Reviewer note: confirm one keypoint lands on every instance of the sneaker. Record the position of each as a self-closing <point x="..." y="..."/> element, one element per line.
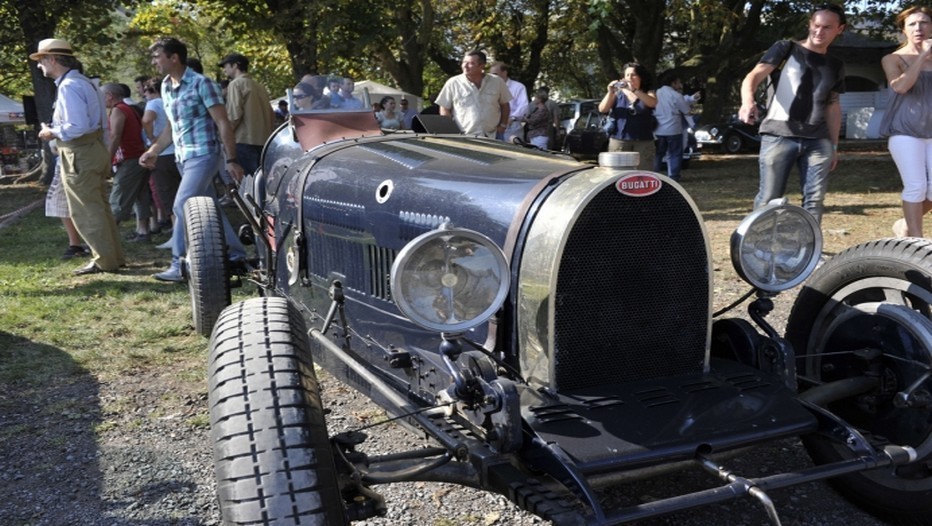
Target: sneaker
<point x="173" y="275"/>
<point x="139" y="238"/>
<point x="75" y="251"/>
<point x="899" y="228"/>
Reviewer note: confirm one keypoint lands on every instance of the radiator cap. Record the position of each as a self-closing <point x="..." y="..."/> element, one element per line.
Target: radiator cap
<point x="619" y="159"/>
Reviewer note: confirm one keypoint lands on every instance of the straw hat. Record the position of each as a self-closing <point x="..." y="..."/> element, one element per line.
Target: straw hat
<point x="52" y="46"/>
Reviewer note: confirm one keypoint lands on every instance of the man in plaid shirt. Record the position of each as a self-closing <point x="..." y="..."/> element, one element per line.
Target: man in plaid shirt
<point x="198" y="127"/>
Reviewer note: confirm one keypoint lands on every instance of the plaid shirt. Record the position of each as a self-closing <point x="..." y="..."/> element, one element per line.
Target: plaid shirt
<point x="193" y="129"/>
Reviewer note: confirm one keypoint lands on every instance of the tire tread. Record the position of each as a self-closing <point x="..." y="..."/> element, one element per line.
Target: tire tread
<point x="271" y="451"/>
<point x="208" y="265"/>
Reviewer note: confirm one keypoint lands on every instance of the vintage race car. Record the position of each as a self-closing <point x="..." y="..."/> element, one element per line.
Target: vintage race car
<point x="548" y="324"/>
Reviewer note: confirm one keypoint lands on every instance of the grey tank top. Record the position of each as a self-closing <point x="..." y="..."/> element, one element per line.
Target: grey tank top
<point x="910" y="113"/>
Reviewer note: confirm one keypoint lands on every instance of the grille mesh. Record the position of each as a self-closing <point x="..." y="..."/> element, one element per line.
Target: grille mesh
<point x="632" y="293"/>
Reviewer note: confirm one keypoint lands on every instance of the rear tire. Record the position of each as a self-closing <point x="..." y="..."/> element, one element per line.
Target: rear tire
<point x="272" y="455"/>
<point x="875" y="299"/>
<point x="207" y="262"/>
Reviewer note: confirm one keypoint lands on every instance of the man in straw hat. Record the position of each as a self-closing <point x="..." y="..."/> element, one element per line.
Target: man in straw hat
<point x="77" y="127"/>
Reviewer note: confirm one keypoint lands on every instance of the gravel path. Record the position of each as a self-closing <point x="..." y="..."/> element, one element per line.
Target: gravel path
<point x="137" y="452"/>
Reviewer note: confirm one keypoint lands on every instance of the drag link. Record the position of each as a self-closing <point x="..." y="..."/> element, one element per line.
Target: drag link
<point x="712" y="467"/>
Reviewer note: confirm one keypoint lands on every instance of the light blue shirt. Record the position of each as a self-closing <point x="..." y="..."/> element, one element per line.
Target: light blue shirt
<point x="157" y="107"/>
<point x="670" y="111"/>
<point x="347" y="103"/>
<point x="79" y="107"/>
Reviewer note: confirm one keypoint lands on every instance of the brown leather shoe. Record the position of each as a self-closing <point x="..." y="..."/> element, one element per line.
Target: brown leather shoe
<point x="90" y="268"/>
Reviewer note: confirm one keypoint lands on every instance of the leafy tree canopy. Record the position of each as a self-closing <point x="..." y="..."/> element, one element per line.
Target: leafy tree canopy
<point x="574" y="46"/>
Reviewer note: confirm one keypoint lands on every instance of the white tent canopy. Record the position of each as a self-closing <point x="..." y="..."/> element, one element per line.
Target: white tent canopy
<point x="11" y="111"/>
<point x="377" y="91"/>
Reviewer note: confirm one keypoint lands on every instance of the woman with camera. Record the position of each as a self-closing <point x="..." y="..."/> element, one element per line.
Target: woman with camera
<point x="630" y="104"/>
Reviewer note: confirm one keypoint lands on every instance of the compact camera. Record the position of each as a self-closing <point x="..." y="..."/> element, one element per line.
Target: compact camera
<point x="620" y="84"/>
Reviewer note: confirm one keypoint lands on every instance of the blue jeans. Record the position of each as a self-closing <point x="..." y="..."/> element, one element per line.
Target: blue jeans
<point x="197" y="176"/>
<point x="669" y="148"/>
<point x="248" y="156"/>
<point x="813" y="157"/>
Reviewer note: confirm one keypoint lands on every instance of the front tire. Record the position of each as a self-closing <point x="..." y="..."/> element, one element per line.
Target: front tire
<point x="272" y="455"/>
<point x="207" y="262"/>
<point x="733" y="143"/>
<point x="866" y="314"/>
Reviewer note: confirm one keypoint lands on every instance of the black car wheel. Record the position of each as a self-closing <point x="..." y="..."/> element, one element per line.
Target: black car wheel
<point x="866" y="314"/>
<point x="272" y="455"/>
<point x="733" y="143"/>
<point x="207" y="262"/>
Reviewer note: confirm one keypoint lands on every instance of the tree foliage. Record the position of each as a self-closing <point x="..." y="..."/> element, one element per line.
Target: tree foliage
<point x="26" y="23"/>
<point x="575" y="46"/>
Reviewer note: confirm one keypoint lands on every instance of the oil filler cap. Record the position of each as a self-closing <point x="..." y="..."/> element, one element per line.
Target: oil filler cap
<point x="627" y="160"/>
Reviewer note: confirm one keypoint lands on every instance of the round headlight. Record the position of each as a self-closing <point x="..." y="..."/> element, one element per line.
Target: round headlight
<point x="776" y="247"/>
<point x="450" y="280"/>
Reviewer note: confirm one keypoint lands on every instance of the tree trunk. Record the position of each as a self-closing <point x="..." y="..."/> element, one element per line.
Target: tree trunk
<point x="39" y="23"/>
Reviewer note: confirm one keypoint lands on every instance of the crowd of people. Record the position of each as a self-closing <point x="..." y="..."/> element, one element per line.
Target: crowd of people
<point x="490" y="104"/>
<point x="159" y="152"/>
<point x="186" y="130"/>
<point x="803" y="121"/>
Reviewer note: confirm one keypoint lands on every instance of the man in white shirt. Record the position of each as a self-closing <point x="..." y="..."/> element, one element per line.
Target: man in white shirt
<point x="462" y="98"/>
<point x="78" y="128"/>
<point x="519" y="102"/>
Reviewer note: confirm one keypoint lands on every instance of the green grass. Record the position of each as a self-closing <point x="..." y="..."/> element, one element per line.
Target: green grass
<point x="54" y="325"/>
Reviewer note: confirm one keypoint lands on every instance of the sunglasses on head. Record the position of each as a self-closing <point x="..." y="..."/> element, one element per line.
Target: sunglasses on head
<point x="833" y="8"/>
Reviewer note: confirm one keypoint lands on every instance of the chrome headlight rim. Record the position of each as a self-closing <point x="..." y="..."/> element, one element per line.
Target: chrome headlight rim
<point x="743" y="249"/>
<point x="405" y="263"/>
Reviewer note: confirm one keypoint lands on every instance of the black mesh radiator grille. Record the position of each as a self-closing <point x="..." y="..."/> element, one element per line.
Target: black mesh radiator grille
<point x="632" y="295"/>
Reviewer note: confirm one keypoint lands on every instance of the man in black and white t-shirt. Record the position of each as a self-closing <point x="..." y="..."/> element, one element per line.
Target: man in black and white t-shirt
<point x="804" y="118"/>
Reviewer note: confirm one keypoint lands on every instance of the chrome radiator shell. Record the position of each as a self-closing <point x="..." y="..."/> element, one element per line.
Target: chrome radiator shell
<point x="613" y="287"/>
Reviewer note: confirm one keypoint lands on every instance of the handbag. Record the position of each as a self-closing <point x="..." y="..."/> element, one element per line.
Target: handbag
<point x="610" y="123"/>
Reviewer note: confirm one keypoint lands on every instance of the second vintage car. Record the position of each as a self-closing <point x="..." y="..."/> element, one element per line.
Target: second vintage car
<point x="549" y="325"/>
<point x="732" y="136"/>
